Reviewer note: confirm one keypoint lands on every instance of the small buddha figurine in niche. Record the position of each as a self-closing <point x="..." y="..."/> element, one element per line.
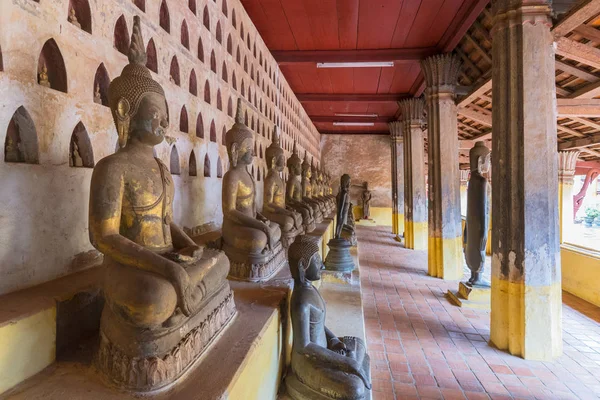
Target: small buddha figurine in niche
<point x="97" y="95"/>
<point x="252" y="242"/>
<point x="73" y="18"/>
<point x="477" y="224"/>
<point x="293" y="191"/>
<point x="274" y="207"/>
<point x="323" y="366"/>
<point x="43" y="76"/>
<point x="307" y="190"/>
<point x="166" y="297"/>
<point x="76" y="160"/>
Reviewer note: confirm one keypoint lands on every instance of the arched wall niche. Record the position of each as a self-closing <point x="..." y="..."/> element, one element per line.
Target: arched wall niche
<point x="207" y="92"/>
<point x="213" y="62"/>
<point x="233" y="80"/>
<point x="183" y="120"/>
<point x="174" y="71"/>
<point x="100" y="89"/>
<point x="229" y="45"/>
<point x="81" y="153"/>
<point x="238" y="56"/>
<point x="245" y="64"/>
<point x="193" y="170"/>
<point x="51" y="61"/>
<point x="141" y="4"/>
<point x="230" y="108"/>
<point x="1" y="62"/>
<point x="223" y="133"/>
<point x="164" y="20"/>
<point x="219" y="100"/>
<point x="213" y="132"/>
<point x="218" y="33"/>
<point x="193" y="84"/>
<point x="200" y="50"/>
<point x="224" y="7"/>
<point x="233" y="19"/>
<point x="21" y="142"/>
<point x="206" y="18"/>
<point x="151" y="57"/>
<point x="80" y="9"/>
<point x="192" y="7"/>
<point x="206" y="166"/>
<point x="199" y="127"/>
<point x="174" y="166"/>
<point x="224" y="72"/>
<point x="219" y="168"/>
<point x="185" y="35"/>
<point x="121" y="36"/>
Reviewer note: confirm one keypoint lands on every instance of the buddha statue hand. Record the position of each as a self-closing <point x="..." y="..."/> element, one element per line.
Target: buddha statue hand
<point x="194" y="252"/>
<point x="266" y="230"/>
<point x="186" y="295"/>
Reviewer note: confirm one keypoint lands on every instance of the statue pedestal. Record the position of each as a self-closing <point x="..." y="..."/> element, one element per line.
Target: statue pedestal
<point x="339" y="257"/>
<point x="478" y="297"/>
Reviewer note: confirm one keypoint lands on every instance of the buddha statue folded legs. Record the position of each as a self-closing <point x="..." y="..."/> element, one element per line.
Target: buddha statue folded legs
<point x="323" y="366"/>
<point x="166" y="298"/>
<point x="274" y="207"/>
<point x="251" y="241"/>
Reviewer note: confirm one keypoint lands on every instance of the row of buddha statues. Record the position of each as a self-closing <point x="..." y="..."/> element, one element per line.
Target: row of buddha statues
<point x="166" y="297"/>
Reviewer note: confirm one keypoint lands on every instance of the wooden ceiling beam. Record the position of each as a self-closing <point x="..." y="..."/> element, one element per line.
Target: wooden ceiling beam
<point x="586" y="122"/>
<point x="287" y="57"/>
<point x="477" y="91"/>
<point x="576" y="17"/>
<point x="576" y="71"/>
<point x="333" y="118"/>
<point x="375" y="132"/>
<point x="580" y="143"/>
<point x="352" y="97"/>
<point x="482" y="118"/>
<point x="579" y="52"/>
<point x="578" y="107"/>
<point x="588" y="32"/>
<point x="478" y="47"/>
<point x="589" y="91"/>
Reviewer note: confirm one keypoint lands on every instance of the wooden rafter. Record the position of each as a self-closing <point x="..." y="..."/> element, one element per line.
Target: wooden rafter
<point x="576" y="17"/>
<point x="577" y="51"/>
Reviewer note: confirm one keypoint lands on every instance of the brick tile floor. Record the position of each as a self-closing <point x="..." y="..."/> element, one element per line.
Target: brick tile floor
<point x="422" y="347"/>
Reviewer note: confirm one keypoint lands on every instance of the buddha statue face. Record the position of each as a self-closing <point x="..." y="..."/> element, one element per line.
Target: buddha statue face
<point x="148" y="125"/>
<point x="315" y="266"/>
<point x="279" y="163"/>
<point x="345" y="182"/>
<point x="243" y="152"/>
<point x="479" y="158"/>
<point x="305" y="261"/>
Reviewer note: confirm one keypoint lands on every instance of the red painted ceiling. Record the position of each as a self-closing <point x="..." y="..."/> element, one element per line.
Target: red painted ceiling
<point x="301" y="25"/>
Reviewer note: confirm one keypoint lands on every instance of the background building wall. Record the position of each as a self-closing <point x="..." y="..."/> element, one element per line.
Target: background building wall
<point x="366" y="158"/>
<point x="43" y="229"/>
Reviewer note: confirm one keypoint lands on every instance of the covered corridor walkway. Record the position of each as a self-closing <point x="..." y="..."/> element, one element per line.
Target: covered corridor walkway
<point x="422" y="347"/>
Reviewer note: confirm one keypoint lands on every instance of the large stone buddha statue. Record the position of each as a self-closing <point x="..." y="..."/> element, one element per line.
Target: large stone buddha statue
<point x="307" y="190"/>
<point x="323" y="366"/>
<point x="293" y="191"/>
<point x="166" y="298"/>
<point x="252" y="242"/>
<point x="274" y="207"/>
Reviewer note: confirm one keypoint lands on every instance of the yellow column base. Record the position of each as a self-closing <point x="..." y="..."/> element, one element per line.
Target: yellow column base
<point x="526" y="320"/>
<point x="445" y="258"/>
<point x="398" y="223"/>
<point x="415" y="235"/>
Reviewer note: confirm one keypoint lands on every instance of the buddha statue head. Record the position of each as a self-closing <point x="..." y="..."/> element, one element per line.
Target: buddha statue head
<point x="479" y="158"/>
<point x="240" y="140"/>
<point x="137" y="102"/>
<point x="305" y="261"/>
<point x="306" y="167"/>
<point x="294" y="163"/>
<point x="274" y="153"/>
<point x="345" y="182"/>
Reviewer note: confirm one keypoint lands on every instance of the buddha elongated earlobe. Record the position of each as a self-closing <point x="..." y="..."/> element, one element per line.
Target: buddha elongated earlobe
<point x="123" y="119"/>
<point x="234" y="157"/>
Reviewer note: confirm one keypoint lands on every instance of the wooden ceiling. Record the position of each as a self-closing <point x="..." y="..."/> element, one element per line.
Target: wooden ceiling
<point x="301" y="33"/>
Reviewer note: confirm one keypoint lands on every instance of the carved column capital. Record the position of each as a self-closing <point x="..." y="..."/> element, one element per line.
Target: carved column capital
<point x="567" y="161"/>
<point x="441" y="73"/>
<point x="412" y="111"/>
<point x="395" y="130"/>
<point x="520" y="12"/>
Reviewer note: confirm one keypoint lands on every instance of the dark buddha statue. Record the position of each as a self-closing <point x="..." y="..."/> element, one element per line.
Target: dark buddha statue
<point x="477" y="224"/>
<point x="166" y="297"/>
<point x="293" y="196"/>
<point x="339" y="257"/>
<point x="252" y="242"/>
<point x="315" y="190"/>
<point x="307" y="190"/>
<point x="323" y="366"/>
<point x="274" y="207"/>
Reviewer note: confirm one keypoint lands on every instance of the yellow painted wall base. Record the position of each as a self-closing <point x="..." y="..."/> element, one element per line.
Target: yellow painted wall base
<point x="381" y="215"/>
<point x="445" y="258"/>
<point x="581" y="273"/>
<point x="526" y="320"/>
<point x="415" y="235"/>
<point x="27" y="346"/>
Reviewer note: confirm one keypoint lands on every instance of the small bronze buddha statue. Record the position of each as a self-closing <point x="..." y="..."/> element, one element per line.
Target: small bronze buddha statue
<point x="73" y="18"/>
<point x="252" y="242"/>
<point x="323" y="366"/>
<point x="43" y="76"/>
<point x="339" y="257"/>
<point x="274" y="208"/>
<point x="166" y="298"/>
<point x="293" y="191"/>
<point x="307" y="190"/>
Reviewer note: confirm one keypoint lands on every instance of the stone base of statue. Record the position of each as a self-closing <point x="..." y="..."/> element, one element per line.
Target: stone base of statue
<point x="471" y="296"/>
<point x="143" y="360"/>
<point x="349" y="234"/>
<point x="255" y="267"/>
<point x="339" y="257"/>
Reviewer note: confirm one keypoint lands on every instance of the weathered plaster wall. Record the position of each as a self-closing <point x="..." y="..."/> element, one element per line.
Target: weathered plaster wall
<point x="43" y="229"/>
<point x="366" y="158"/>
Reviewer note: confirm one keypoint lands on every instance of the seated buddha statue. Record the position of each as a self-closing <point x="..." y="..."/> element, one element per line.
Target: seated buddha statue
<point x="251" y="241"/>
<point x="166" y="297"/>
<point x="274" y="208"/>
<point x="321" y="192"/>
<point x="307" y="190"/>
<point x="323" y="366"/>
<point x="315" y="189"/>
<point x="293" y="191"/>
